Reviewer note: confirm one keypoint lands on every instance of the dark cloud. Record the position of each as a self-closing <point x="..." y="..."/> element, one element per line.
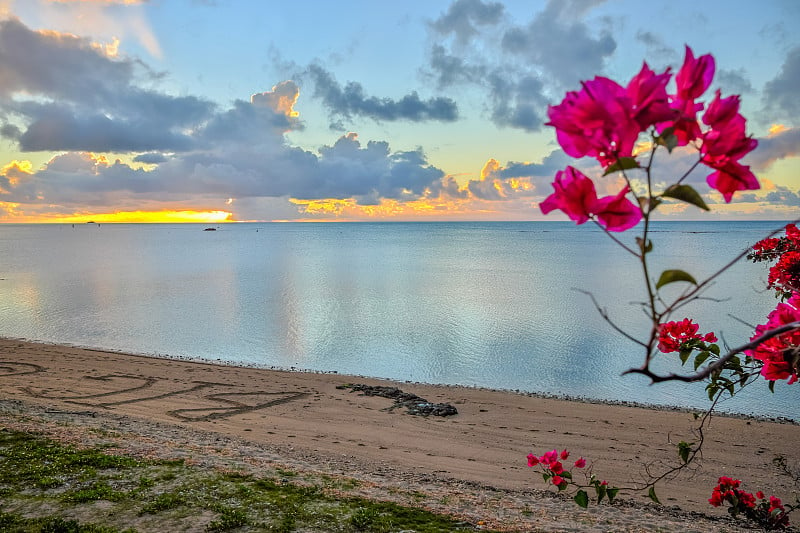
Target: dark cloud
<point x="79" y="98"/>
<point x="780" y="93"/>
<point x="351" y="100"/>
<point x="784" y="196"/>
<point x="152" y="158"/>
<point x="733" y="81"/>
<point x="552" y="163"/>
<point x="519" y="66"/>
<point x="463" y="18"/>
<point x="557" y="41"/>
<point x="771" y="149"/>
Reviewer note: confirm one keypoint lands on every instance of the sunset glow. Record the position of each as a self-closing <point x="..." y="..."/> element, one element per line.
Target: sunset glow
<point x="108" y="113"/>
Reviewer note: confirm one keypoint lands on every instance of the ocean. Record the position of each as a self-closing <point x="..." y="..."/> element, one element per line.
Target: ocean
<point x="484" y="304"/>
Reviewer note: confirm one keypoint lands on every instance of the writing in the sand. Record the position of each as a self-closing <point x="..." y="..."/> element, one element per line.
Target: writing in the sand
<point x="204" y="400"/>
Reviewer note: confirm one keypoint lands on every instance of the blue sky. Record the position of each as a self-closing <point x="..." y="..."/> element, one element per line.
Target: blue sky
<point x="355" y="110"/>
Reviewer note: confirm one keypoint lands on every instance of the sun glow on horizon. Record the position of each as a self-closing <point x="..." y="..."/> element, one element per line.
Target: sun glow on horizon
<point x="131" y="217"/>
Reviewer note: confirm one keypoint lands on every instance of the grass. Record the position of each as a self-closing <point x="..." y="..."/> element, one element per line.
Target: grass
<point x="50" y="487"/>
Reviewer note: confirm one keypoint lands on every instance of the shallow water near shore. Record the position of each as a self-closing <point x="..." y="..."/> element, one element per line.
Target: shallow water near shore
<point x="482" y="304"/>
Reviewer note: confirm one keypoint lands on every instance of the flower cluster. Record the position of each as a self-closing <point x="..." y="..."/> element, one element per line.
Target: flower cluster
<point x="554" y="471"/>
<point x="767" y="512"/>
<point x="780" y="355"/>
<point x="604" y="120"/>
<point x="784" y="275"/>
<point x="679" y="336"/>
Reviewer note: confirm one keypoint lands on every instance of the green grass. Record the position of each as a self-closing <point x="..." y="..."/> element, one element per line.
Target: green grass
<point x="49" y="487"/>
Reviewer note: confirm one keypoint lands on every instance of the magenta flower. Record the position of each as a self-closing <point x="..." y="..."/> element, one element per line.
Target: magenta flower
<point x="549" y="457"/>
<point x="557" y="481"/>
<point x="575" y="195"/>
<point x="648" y="95"/>
<point x="617" y="213"/>
<point x="580" y="463"/>
<point x="564" y="455"/>
<point x="732" y="177"/>
<point x="695" y="75"/>
<point x="598" y="121"/>
<point x="532" y="460"/>
<point x="692" y="80"/>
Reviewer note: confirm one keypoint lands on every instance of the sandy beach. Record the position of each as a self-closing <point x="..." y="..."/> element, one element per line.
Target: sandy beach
<point x="472" y="464"/>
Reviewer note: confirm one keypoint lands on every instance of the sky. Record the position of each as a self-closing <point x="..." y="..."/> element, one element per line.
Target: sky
<point x="244" y="110"/>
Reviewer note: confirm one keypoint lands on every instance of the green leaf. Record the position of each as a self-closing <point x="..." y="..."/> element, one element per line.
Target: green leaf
<point x="686" y="193"/>
<point x="612" y="493"/>
<point x="684" y="355"/>
<point x="772" y="386"/>
<point x="713" y="348"/>
<point x="671" y="276"/>
<point x="652" y="495"/>
<point x="645" y="247"/>
<point x="623" y="163"/>
<point x="700" y="359"/>
<point x="684" y="448"/>
<point x="668" y="139"/>
<point x="601" y="491"/>
<point x="582" y="499"/>
<point x="566" y="475"/>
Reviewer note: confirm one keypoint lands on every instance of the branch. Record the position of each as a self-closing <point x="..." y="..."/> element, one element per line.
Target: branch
<point x="716" y="365"/>
<point x="604" y="314"/>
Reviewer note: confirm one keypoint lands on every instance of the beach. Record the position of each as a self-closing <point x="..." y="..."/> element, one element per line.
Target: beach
<point x="471" y="464"/>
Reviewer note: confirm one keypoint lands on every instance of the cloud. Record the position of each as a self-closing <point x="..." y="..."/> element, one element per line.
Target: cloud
<point x="560" y="43"/>
<point x="784" y="196"/>
<point x="518" y="65"/>
<point x="463" y="18"/>
<point x="351" y="100"/>
<point x="785" y="143"/>
<point x="780" y="93"/>
<point x="79" y="98"/>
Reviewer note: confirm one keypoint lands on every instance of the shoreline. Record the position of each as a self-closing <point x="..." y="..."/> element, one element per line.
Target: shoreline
<point x="258" y="417"/>
<point x="532" y="394"/>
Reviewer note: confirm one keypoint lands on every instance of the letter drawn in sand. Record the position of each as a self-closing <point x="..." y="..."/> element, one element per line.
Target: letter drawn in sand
<point x="236" y="407"/>
<point x="14" y="368"/>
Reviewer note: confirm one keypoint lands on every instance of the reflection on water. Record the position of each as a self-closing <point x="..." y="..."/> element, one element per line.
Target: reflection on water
<point x="485" y="304"/>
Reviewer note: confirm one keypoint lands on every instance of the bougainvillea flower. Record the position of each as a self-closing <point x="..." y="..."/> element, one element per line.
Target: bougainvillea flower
<point x="648" y="95"/>
<point x="780" y="354"/>
<point x="695" y="75"/>
<point x="574" y="195"/>
<point x="673" y="336"/>
<point x="532" y="460"/>
<point x="732" y="177"/>
<point x="596" y="121"/>
<point x="549" y="457"/>
<point x="558" y="480"/>
<point x="721" y="110"/>
<point x="564" y="455"/>
<point x="785" y="274"/>
<point x="792" y="233"/>
<point x="580" y="463"/>
<point x="617" y="213"/>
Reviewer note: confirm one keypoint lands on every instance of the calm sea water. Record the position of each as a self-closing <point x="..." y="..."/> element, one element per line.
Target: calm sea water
<point x="483" y="304"/>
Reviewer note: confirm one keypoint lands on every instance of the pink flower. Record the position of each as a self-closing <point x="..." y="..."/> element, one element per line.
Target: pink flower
<point x="598" y="121"/>
<point x="575" y="195"/>
<point x="760" y="495"/>
<point x="649" y="101"/>
<point x="556" y="467"/>
<point x="549" y="457"/>
<point x="721" y="110"/>
<point x="580" y="463"/>
<point x="564" y="455"/>
<point x="617" y="213"/>
<point x="557" y="481"/>
<point x="532" y="460"/>
<point x="731" y="178"/>
<point x="692" y="80"/>
<point x="695" y="75"/>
